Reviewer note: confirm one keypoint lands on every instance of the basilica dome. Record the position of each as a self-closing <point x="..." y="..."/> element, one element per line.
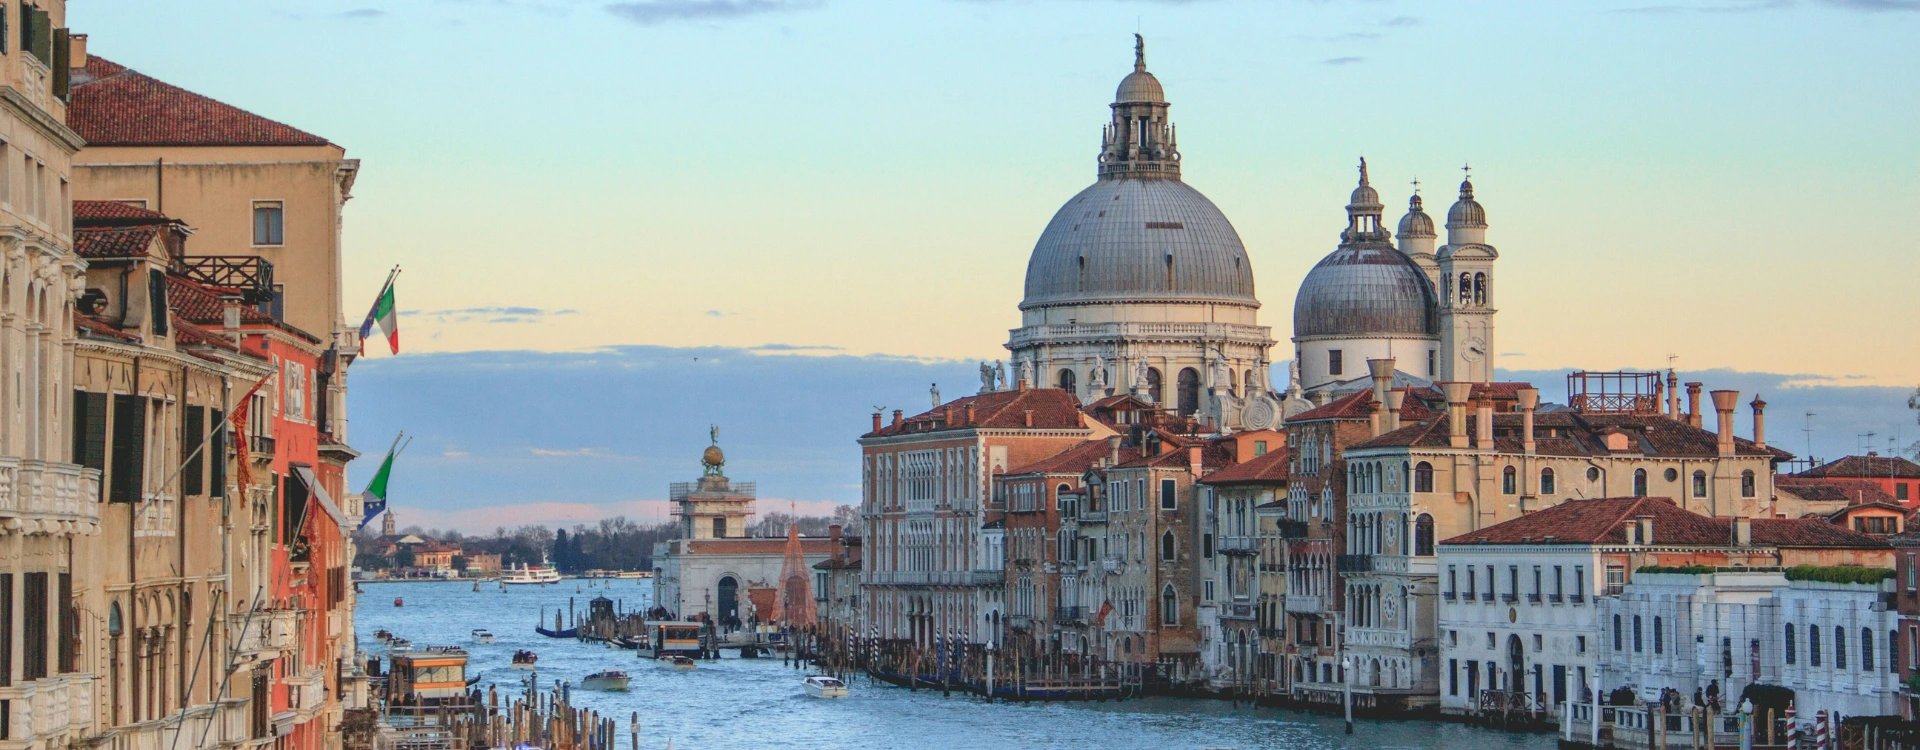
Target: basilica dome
<point x="1365" y="290"/>
<point x="1138" y="240"/>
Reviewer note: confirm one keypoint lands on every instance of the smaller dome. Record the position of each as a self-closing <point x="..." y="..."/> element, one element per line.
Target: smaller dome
<point x="1364" y="196"/>
<point x="1416" y="223"/>
<point x="1139" y="86"/>
<point x="1466" y="211"/>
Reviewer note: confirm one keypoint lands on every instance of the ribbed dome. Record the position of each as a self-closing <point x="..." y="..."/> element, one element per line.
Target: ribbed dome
<point x="1416" y="223"/>
<point x="1466" y="211"/>
<point x="1138" y="240"/>
<point x="1139" y="86"/>
<point x="1366" y="289"/>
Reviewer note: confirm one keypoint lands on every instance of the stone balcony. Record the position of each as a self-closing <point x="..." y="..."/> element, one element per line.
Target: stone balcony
<point x="1306" y="604"/>
<point x="1379" y="637"/>
<point x="265" y="635"/>
<point x="42" y="712"/>
<point x="209" y="725"/>
<point x="1237" y="610"/>
<point x="40" y="497"/>
<point x="1239" y="545"/>
<point x="1113" y="565"/>
<point x="307" y="694"/>
<point x="988" y="577"/>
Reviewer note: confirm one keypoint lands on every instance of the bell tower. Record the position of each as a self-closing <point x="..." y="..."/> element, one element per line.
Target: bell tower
<point x="1465" y="290"/>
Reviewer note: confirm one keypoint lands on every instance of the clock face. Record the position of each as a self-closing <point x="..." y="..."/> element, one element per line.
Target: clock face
<point x="1476" y="349"/>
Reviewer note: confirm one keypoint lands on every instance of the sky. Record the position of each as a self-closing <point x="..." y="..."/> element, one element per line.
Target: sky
<point x="831" y="202"/>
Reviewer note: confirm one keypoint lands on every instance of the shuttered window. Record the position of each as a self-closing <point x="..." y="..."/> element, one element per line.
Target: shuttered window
<point x="90" y="429"/>
<point x="129" y="448"/>
<point x="157" y="295"/>
<point x="193" y="469"/>
<point x="293" y="507"/>
<point x="68" y="635"/>
<point x="217" y="455"/>
<point x="6" y="626"/>
<point x="34" y="630"/>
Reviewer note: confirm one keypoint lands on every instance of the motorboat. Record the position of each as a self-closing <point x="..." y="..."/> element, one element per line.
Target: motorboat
<point x="611" y="679"/>
<point x="524" y="659"/>
<point x="681" y="662"/>
<point x="399" y="645"/>
<point x="399" y="602"/>
<point x="482" y="636"/>
<point x="823" y="686"/>
<point x="530" y="575"/>
<point x="383" y="635"/>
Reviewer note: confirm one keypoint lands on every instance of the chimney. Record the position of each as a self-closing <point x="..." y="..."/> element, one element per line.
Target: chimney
<point x="1194" y="463"/>
<point x="898" y="417"/>
<point x="1723" y="403"/>
<point x="1742" y="531"/>
<point x="1759" y="421"/>
<point x="833" y="533"/>
<point x="1483" y="422"/>
<point x="1026" y="417"/>
<point x="1529" y="401"/>
<point x="1693" y="403"/>
<point x="1382" y="372"/>
<point x="1673" y="395"/>
<point x="1396" y="400"/>
<point x="77" y="50"/>
<point x="969" y="412"/>
<point x="230" y="318"/>
<point x="1644" y="524"/>
<point x="1113" y="450"/>
<point x="1457" y="394"/>
<point x="876" y="421"/>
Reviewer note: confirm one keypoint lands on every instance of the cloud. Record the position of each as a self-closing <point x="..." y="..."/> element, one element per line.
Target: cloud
<point x="1342" y="60"/>
<point x="797" y="349"/>
<point x="454" y="454"/>
<point x="361" y="13"/>
<point x="1739" y="6"/>
<point x="1874" y="6"/>
<point x="717" y="313"/>
<point x="569" y="452"/>
<point x="490" y="314"/>
<point x="654" y="12"/>
<point x="1401" y="22"/>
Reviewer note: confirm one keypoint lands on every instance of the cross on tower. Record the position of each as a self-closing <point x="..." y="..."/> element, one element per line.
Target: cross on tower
<point x="1467" y="170"/>
<point x="1416" y="186"/>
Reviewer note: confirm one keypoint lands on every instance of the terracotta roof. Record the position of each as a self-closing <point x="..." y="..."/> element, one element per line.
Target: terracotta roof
<point x="1267" y="469"/>
<point x="766" y="546"/>
<point x="99" y="327"/>
<point x="186" y="333"/>
<point x="1832" y="490"/>
<point x="1605" y="521"/>
<point x="113" y="105"/>
<point x="1841" y="515"/>
<point x="1076" y="460"/>
<point x="103" y="213"/>
<point x="1359" y="405"/>
<point x="1570" y="433"/>
<point x="1053" y="409"/>
<point x="114" y="242"/>
<point x="1875" y="467"/>
<point x="1214" y="454"/>
<point x="200" y="303"/>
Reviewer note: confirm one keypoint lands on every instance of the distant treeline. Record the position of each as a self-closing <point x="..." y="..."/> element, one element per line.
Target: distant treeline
<point x="613" y="544"/>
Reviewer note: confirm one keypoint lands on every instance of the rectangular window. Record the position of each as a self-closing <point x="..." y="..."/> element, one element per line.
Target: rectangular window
<point x="1616" y="579"/>
<point x="90" y="429"/>
<point x="1260" y="449"/>
<point x="6" y="164"/>
<point x="269" y="223"/>
<point x="1579" y="583"/>
<point x="1335" y="362"/>
<point x="1206" y="545"/>
<point x="1900" y="491"/>
<point x="33" y="642"/>
<point x="193" y="478"/>
<point x="1492" y="586"/>
<point x="1140" y="493"/>
<point x="63" y="606"/>
<point x="157" y="298"/>
<point x="6" y="626"/>
<point x="1453" y="677"/>
<point x="1536" y="583"/>
<point x="1451" y="581"/>
<point x="1167" y="499"/>
<point x="1559" y="584"/>
<point x="129" y="448"/>
<point x="1579" y="644"/>
<point x="1470" y="582"/>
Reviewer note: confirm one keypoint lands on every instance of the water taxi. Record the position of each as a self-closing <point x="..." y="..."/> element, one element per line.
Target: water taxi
<point x="822" y="686"/>
<point x="674" y="639"/>
<point x="611" y="679"/>
<point x="398" y="645"/>
<point x="482" y="636"/>
<point x="524" y="659"/>
<point x="681" y="662"/>
<point x="436" y="673"/>
<point x="530" y="575"/>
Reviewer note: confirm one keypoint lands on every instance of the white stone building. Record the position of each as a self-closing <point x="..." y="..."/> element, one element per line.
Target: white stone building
<point x="714" y="569"/>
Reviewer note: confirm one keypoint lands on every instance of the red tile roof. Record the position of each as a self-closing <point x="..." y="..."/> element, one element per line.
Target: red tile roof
<point x="1605" y="521"/>
<point x="1828" y="490"/>
<point x="97" y="327"/>
<point x="767" y="546"/>
<point x="186" y="333"/>
<point x="1076" y="460"/>
<point x="114" y="105"/>
<point x="1359" y="405"/>
<point x="1053" y="409"/>
<point x="200" y="303"/>
<point x="1865" y="467"/>
<point x="1564" y="432"/>
<point x="1267" y="469"/>
<point x="114" y="212"/>
<point x="114" y="242"/>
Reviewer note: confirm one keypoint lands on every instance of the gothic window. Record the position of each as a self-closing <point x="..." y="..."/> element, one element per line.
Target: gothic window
<point x="1423" y="477"/>
<point x="1546" y="481"/>
<point x="1169" y="607"/>
<point x="1510" y="481"/>
<point x="1189" y="391"/>
<point x="1788" y="643"/>
<point x="1639" y="482"/>
<point x="1166" y="547"/>
<point x="1659" y="636"/>
<point x="1423" y="536"/>
<point x="1068" y="382"/>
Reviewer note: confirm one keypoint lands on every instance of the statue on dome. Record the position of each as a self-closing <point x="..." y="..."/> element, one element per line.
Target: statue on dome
<point x="1026" y="373"/>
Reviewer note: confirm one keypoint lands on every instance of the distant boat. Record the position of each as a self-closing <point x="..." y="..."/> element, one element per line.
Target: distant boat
<point x="399" y="646"/>
<point x="681" y="662"/>
<point x="612" y="679"/>
<point x="399" y="602"/>
<point x="530" y="575"/>
<point x="822" y="686"/>
<point x="524" y="659"/>
<point x="383" y="635"/>
<point x="482" y="636"/>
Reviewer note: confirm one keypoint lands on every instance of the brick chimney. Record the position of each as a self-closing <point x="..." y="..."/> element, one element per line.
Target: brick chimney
<point x="1396" y="400"/>
<point x="1529" y="401"/>
<point x="1382" y="372"/>
<point x="1673" y="395"/>
<point x="1693" y="403"/>
<point x="1723" y="403"/>
<point x="969" y="412"/>
<point x="1457" y="394"/>
<point x="1759" y="421"/>
<point x="898" y="417"/>
<point x="833" y="533"/>
<point x="77" y="50"/>
<point x="1026" y="417"/>
<point x="876" y="421"/>
<point x="1113" y="450"/>
<point x="1194" y="463"/>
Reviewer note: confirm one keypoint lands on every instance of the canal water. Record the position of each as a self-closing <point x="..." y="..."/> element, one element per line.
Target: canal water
<point x="757" y="703"/>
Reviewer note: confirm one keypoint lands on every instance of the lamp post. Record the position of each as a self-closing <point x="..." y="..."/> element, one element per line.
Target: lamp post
<point x="990" y="650"/>
<point x="1346" y="689"/>
<point x="1746" y="724"/>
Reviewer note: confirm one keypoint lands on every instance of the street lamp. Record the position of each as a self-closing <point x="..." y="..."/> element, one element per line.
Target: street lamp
<point x="1346" y="687"/>
<point x="990" y="649"/>
<point x="1746" y="724"/>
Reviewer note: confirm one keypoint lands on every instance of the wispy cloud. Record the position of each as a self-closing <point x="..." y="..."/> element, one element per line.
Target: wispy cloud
<point x="654" y="12"/>
<point x="797" y="349"/>
<point x="569" y="453"/>
<point x="455" y="454"/>
<point x="717" y="313"/>
<point x="1740" y="6"/>
<point x="491" y="314"/>
<point x="361" y="13"/>
<point x="1401" y="22"/>
<point x="1349" y="60"/>
<point x="1874" y="6"/>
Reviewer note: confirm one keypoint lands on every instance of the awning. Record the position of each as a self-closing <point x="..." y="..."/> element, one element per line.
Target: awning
<point x="321" y="498"/>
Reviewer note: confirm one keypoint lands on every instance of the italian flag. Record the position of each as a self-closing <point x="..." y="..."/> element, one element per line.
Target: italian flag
<point x="384" y="314"/>
<point x="373" y="501"/>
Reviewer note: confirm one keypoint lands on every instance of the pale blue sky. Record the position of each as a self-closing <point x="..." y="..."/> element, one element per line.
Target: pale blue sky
<point x="1729" y="182"/>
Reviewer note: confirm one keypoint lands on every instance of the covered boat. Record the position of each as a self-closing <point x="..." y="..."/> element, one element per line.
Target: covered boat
<point x="823" y="686"/>
<point x="611" y="679"/>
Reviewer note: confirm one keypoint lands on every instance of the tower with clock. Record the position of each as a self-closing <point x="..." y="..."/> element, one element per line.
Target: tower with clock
<point x="1465" y="291"/>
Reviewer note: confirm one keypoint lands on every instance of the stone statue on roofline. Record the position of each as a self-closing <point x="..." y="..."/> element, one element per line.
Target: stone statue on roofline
<point x="999" y="374"/>
<point x="986" y="377"/>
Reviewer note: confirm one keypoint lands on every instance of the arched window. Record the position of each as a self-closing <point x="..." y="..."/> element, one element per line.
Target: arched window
<point x="1866" y="649"/>
<point x="1639" y="645"/>
<point x="1189" y="391"/>
<point x="1423" y="536"/>
<point x="1153" y="385"/>
<point x="1169" y="607"/>
<point x="1166" y="547"/>
<point x="1839" y="647"/>
<point x="1639" y="482"/>
<point x="1546" y="481"/>
<point x="1747" y="484"/>
<point x="1423" y="477"/>
<point x="1616" y="633"/>
<point x="1813" y="645"/>
<point x="1247" y="384"/>
<point x="1699" y="484"/>
<point x="1466" y="288"/>
<point x="1510" y="481"/>
<point x="1787" y="644"/>
<point x="1659" y="636"/>
<point x="1068" y="381"/>
<point x="1479" y="289"/>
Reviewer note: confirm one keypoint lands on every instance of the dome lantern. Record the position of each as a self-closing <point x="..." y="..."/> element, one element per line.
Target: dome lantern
<point x="1139" y="142"/>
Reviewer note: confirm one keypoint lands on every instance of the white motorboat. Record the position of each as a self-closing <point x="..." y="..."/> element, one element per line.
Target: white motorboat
<point x="482" y="636"/>
<point x="530" y="575"/>
<point x="612" y="679"/>
<point x="822" y="686"/>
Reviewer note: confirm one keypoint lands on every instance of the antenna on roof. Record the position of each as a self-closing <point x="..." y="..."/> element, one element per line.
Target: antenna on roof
<point x="1809" y="431"/>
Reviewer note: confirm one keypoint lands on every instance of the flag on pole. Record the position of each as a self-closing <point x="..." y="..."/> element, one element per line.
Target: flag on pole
<point x="241" y="450"/>
<point x="383" y="313"/>
<point x="373" y="500"/>
<point x="1100" y="618"/>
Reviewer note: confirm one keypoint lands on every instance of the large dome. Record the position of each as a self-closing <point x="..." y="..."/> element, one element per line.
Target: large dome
<point x="1365" y="289"/>
<point x="1138" y="240"/>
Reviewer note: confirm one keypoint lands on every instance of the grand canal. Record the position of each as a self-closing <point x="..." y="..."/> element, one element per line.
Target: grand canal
<point x="758" y="703"/>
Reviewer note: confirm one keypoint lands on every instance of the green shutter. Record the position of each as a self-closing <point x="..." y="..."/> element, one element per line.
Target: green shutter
<point x="193" y="472"/>
<point x="217" y="454"/>
<point x="62" y="75"/>
<point x="90" y="429"/>
<point x="157" y="295"/>
<point x="42" y="36"/>
<point x="129" y="448"/>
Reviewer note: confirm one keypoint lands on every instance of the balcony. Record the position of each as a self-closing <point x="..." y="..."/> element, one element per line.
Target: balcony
<point x="1555" y="598"/>
<point x="264" y="635"/>
<point x="1449" y="596"/>
<point x="1353" y="563"/>
<point x="1069" y="615"/>
<point x="1576" y="598"/>
<point x="1486" y="596"/>
<point x="251" y="275"/>
<point x="1093" y="516"/>
<point x="308" y="693"/>
<point x="1306" y="604"/>
<point x="1020" y="623"/>
<point x="1291" y="529"/>
<point x="987" y="577"/>
<point x="1239" y="545"/>
<point x="1237" y="611"/>
<point x="261" y="447"/>
<point x="48" y="498"/>
<point x="1113" y="565"/>
<point x="43" y="711"/>
<point x="1533" y="598"/>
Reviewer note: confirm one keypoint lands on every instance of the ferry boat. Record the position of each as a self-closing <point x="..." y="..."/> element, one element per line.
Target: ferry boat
<point x="611" y="679"/>
<point x="482" y="636"/>
<point x="524" y="659"/>
<point x="822" y="686"/>
<point x="673" y="639"/>
<point x="435" y="674"/>
<point x="530" y="575"/>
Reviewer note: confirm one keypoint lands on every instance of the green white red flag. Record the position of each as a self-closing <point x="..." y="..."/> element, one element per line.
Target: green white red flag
<point x="386" y="315"/>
